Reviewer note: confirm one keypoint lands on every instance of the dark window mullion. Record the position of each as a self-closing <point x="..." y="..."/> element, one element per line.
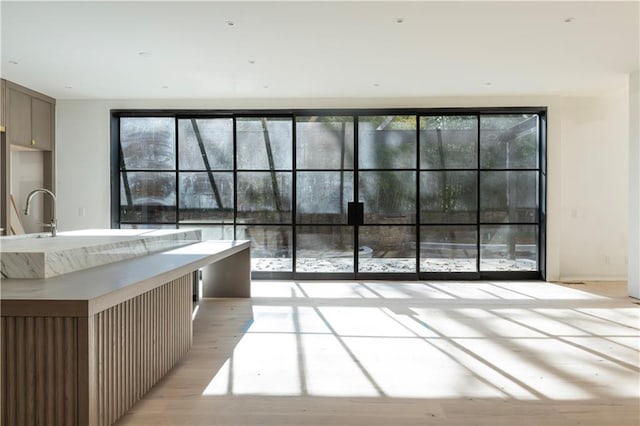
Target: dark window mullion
<point x="177" y="170"/>
<point x="294" y="194"/>
<point x="235" y="178"/>
<point x="356" y="190"/>
<point x="478" y="234"/>
<point x="418" y="219"/>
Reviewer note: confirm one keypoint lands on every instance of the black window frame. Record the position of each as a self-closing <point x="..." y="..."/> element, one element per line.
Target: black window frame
<point x="541" y="170"/>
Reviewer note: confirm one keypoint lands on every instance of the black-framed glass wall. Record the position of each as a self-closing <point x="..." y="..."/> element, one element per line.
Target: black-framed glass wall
<point x="443" y="193"/>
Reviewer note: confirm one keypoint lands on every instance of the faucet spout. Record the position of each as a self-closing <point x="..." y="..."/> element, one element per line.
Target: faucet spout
<point x="54" y="223"/>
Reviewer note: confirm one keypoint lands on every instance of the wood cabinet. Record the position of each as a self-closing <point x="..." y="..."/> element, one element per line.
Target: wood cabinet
<point x="3" y="124"/>
<point x="29" y="118"/>
<point x="27" y="123"/>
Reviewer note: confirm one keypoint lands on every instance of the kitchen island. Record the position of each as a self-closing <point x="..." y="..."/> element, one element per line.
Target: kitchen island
<point x="82" y="347"/>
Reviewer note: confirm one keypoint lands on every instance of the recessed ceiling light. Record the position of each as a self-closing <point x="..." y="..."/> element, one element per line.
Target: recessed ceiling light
<point x="143" y="53"/>
<point x="569" y="19"/>
<point x="230" y="23"/>
<point x="13" y="62"/>
<point x="399" y="20"/>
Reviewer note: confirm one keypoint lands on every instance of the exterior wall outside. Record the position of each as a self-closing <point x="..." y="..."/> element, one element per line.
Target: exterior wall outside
<point x="83" y="181"/>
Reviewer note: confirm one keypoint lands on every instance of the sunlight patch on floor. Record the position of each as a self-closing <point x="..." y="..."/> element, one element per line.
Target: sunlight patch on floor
<point x="373" y="342"/>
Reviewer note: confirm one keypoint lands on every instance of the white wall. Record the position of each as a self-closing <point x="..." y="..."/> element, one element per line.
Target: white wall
<point x="83" y="180"/>
<point x="634" y="185"/>
<point x="594" y="187"/>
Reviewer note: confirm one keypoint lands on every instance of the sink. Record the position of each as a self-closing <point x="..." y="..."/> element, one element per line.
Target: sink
<point x="33" y="256"/>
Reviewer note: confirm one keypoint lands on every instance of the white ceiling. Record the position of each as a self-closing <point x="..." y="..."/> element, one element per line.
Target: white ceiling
<point x="348" y="49"/>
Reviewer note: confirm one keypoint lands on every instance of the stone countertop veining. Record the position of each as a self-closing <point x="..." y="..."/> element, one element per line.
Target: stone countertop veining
<point x="41" y="256"/>
<point x="93" y="290"/>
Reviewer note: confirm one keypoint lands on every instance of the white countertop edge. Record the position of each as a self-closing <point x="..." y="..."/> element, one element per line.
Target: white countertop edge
<point x="121" y="280"/>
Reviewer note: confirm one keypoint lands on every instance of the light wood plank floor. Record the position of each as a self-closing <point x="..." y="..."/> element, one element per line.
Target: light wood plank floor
<point x="408" y="353"/>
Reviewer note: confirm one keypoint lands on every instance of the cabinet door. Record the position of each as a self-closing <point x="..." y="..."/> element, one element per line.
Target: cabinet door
<point x="41" y="124"/>
<point x="3" y="108"/>
<point x="18" y="118"/>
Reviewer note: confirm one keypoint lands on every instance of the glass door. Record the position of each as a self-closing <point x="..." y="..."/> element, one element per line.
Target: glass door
<point x="387" y="156"/>
<point x="324" y="186"/>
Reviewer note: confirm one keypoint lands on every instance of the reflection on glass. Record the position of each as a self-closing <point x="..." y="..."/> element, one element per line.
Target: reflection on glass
<point x="324" y="142"/>
<point x="205" y="142"/>
<point x="448" y="249"/>
<point x="508" y="248"/>
<point x="387" y="142"/>
<point x="387" y="249"/>
<point x="509" y="141"/>
<point x="147" y="197"/>
<point x="148" y="143"/>
<point x="448" y="197"/>
<point x="206" y="197"/>
<point x="389" y="197"/>
<point x="508" y="196"/>
<point x="270" y="247"/>
<point x="264" y="143"/>
<point x="323" y="196"/>
<point x="264" y="197"/>
<point x="213" y="232"/>
<point x="146" y="226"/>
<point x="448" y="142"/>
<point x="324" y="249"/>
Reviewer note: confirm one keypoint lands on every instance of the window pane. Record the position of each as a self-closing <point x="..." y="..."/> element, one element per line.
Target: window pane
<point x="448" y="249"/>
<point x="508" y="248"/>
<point x="389" y="197"/>
<point x="264" y="197"/>
<point x="146" y="226"/>
<point x="448" y="142"/>
<point x="270" y="247"/>
<point x="448" y="197"/>
<point x="324" y="142"/>
<point x="508" y="196"/>
<point x="509" y="141"/>
<point x="387" y="142"/>
<point x="323" y="196"/>
<point x="206" y="197"/>
<point x="213" y="232"/>
<point x="148" y="143"/>
<point x="387" y="249"/>
<point x="264" y="143"/>
<point x="324" y="249"/>
<point x="148" y="197"/>
<point x="205" y="141"/>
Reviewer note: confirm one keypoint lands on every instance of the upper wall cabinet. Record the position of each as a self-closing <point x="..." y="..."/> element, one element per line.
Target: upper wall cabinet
<point x="3" y="109"/>
<point x="29" y="118"/>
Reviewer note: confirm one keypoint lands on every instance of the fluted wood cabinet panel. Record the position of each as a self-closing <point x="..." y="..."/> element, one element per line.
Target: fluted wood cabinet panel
<point x="137" y="343"/>
<point x="91" y="370"/>
<point x="39" y="368"/>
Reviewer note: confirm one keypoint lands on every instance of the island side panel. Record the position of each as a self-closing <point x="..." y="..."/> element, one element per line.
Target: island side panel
<point x="35" y="348"/>
<point x="135" y="344"/>
<point x="228" y="277"/>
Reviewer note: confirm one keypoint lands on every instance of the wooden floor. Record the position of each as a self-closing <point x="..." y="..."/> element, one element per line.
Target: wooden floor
<point x="417" y="353"/>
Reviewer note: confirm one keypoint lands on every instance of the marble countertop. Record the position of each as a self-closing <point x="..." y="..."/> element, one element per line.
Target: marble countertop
<point x="42" y="256"/>
<point x="92" y="290"/>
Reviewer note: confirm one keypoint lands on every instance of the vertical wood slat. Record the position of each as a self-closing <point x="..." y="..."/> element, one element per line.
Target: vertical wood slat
<point x="139" y="341"/>
<point x="134" y="344"/>
<point x="38" y="370"/>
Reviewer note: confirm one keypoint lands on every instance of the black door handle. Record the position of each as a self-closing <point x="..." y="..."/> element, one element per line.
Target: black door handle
<point x="355" y="213"/>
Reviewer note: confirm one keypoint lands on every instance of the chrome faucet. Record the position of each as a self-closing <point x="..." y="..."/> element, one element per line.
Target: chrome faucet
<point x="53" y="225"/>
